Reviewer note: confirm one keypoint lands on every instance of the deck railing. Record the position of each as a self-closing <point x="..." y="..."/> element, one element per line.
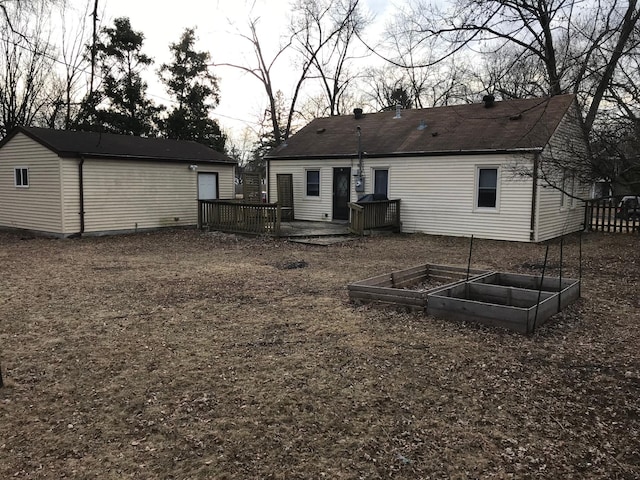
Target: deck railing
<point x="239" y="217"/>
<point x="376" y="214"/>
<point x="604" y="215"/>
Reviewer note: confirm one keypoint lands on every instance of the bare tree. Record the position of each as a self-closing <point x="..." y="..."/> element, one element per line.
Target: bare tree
<point x="310" y="34"/>
<point x="25" y="68"/>
<point x="578" y="44"/>
<point x="509" y="73"/>
<point x="262" y="71"/>
<point x="74" y="62"/>
<point x="615" y="136"/>
<point x="324" y="33"/>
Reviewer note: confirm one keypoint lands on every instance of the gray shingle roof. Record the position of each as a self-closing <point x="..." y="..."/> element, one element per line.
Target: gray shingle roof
<point x="69" y="143"/>
<point x="525" y="124"/>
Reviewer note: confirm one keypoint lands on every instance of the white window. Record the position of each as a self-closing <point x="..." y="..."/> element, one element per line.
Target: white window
<point x="487" y="188"/>
<point x="313" y="183"/>
<point x="568" y="187"/>
<point x="21" y="177"/>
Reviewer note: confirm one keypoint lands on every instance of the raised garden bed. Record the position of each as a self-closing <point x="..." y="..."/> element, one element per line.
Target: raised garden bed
<point x="505" y="300"/>
<point x="409" y="287"/>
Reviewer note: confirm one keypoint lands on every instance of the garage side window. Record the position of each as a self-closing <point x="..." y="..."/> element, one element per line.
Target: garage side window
<point x="313" y="183"/>
<point x="487" y="194"/>
<point x="21" y="176"/>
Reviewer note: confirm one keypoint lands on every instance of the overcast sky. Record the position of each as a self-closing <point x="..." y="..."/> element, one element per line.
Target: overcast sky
<point x="217" y="23"/>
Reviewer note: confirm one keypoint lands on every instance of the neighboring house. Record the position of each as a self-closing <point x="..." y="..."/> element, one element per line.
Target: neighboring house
<point x="459" y="170"/>
<point x="65" y="183"/>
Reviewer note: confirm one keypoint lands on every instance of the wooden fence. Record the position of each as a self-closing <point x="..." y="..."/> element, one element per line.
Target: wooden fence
<point x="239" y="217"/>
<point x="603" y="215"/>
<point x="376" y="214"/>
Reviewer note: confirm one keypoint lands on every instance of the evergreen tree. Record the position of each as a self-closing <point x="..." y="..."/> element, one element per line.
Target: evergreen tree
<point x="120" y="104"/>
<point x="195" y="90"/>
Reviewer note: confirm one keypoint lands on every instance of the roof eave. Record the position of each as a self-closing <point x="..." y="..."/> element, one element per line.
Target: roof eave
<point x="435" y="153"/>
<point x="141" y="157"/>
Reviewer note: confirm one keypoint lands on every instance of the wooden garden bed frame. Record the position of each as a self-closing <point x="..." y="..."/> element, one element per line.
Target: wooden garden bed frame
<point x="513" y="301"/>
<point x="393" y="288"/>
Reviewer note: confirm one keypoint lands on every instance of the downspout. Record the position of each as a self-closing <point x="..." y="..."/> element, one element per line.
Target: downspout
<point x="81" y="193"/>
<point x="534" y="195"/>
<point x="267" y="183"/>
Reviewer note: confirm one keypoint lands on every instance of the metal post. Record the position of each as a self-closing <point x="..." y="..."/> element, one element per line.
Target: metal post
<point x="580" y="267"/>
<point x="469" y="261"/>
<point x="544" y="269"/>
<point x="560" y="284"/>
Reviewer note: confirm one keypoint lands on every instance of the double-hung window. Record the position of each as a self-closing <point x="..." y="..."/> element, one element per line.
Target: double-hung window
<point x="21" y="177"/>
<point x="487" y="192"/>
<point x="567" y="198"/>
<point x="313" y="183"/>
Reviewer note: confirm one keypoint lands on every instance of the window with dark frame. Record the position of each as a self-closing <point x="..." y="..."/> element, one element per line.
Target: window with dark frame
<point x="21" y="177"/>
<point x="313" y="183"/>
<point x="381" y="181"/>
<point x="487" y="187"/>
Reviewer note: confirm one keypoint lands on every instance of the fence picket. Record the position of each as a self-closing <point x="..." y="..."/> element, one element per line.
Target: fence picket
<point x="601" y="215"/>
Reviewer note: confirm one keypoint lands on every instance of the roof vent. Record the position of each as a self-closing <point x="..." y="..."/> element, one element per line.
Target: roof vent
<point x="517" y="116"/>
<point x="398" y="111"/>
<point x="357" y="113"/>
<point x="320" y="130"/>
<point x="488" y="100"/>
<point x="422" y="125"/>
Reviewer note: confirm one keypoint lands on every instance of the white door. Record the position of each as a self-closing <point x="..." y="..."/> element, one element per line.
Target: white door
<point x="207" y="186"/>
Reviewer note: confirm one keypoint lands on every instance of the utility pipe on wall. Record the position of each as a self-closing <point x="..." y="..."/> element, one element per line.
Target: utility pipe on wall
<point x="81" y="193"/>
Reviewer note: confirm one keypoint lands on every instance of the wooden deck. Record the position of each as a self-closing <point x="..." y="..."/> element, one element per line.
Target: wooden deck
<point x="236" y="216"/>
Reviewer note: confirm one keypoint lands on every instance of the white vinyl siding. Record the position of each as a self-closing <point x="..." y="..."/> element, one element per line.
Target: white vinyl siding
<point x="556" y="213"/>
<point x="437" y="194"/>
<point x="37" y="207"/>
<point x="318" y="208"/>
<point x="132" y="195"/>
<point x="70" y="196"/>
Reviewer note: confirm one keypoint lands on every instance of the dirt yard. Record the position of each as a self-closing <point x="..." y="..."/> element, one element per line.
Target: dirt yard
<point x="193" y="355"/>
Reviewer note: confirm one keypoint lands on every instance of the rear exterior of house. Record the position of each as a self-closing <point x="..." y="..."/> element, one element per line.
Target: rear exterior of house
<point x="451" y="176"/>
<point x="66" y="183"/>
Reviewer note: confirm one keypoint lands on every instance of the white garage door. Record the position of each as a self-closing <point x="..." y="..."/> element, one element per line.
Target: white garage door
<point x="207" y="186"/>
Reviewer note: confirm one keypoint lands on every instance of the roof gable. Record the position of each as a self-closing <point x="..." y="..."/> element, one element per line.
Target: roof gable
<point x="514" y="125"/>
<point x="70" y="143"/>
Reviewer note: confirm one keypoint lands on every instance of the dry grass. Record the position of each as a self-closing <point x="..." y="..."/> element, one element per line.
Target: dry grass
<point x="190" y="355"/>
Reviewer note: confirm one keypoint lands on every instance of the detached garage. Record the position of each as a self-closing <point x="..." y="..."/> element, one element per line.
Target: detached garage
<point x="65" y="183"/>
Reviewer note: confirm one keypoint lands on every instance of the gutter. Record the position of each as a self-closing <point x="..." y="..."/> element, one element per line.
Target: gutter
<point x="423" y="153"/>
<point x="81" y="193"/>
<point x="118" y="156"/>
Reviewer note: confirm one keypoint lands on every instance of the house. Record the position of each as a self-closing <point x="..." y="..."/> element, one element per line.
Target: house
<point x="492" y="169"/>
<point x="64" y="183"/>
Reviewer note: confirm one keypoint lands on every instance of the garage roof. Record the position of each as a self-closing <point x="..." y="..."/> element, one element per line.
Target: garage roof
<point x="70" y="143"/>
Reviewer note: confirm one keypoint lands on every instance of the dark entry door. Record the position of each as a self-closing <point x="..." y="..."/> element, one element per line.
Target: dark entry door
<point x="341" y="193"/>
<point x="285" y="195"/>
